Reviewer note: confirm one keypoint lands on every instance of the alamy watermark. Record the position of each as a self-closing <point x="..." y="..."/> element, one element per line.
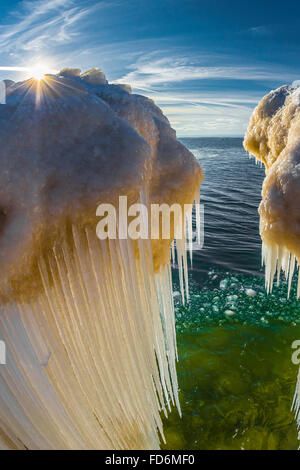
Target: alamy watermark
<point x="2" y="353"/>
<point x="158" y="221"/>
<point x="2" y="92"/>
<point x="296" y="353"/>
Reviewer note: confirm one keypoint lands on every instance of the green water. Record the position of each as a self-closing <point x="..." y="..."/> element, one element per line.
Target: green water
<point x="235" y="372"/>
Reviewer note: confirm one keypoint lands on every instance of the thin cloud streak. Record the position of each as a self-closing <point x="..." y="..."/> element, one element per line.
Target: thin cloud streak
<point x="43" y="24"/>
<point x="211" y="113"/>
<point x="209" y="109"/>
<point x="147" y="75"/>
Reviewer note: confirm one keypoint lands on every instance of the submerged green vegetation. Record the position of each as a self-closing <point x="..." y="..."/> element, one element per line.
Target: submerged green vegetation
<point x="235" y="372"/>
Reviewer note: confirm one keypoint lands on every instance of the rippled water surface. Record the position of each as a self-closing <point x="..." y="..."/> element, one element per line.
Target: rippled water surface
<point x="230" y="193"/>
<point x="235" y="372"/>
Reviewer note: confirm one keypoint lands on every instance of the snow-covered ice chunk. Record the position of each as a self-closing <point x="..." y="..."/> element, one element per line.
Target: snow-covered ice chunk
<point x="89" y="324"/>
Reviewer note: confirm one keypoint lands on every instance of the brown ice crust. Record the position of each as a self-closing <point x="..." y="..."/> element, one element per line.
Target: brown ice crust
<point x="89" y="324"/>
<point x="70" y="142"/>
<point x="273" y="136"/>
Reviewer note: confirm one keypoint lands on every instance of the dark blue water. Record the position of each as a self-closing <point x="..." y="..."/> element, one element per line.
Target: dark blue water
<point x="230" y="193"/>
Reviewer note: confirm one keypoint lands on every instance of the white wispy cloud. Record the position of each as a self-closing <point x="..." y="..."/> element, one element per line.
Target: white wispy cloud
<point x="160" y="67"/>
<point x="192" y="91"/>
<point x="205" y="99"/>
<point x="148" y="74"/>
<point x="205" y="113"/>
<point x="259" y="30"/>
<point x="38" y="24"/>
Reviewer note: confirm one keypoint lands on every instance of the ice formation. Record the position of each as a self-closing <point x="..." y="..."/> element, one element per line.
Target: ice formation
<point x="88" y="324"/>
<point x="273" y="137"/>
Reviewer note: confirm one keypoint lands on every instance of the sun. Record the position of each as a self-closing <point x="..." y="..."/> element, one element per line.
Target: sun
<point x="38" y="71"/>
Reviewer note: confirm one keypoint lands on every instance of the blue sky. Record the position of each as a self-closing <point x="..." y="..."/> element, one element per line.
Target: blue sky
<point x="206" y="63"/>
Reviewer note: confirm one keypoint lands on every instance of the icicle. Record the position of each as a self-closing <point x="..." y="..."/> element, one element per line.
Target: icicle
<point x="286" y="263"/>
<point x="173" y="252"/>
<point x="274" y="257"/>
<point x="269" y="258"/>
<point x="290" y="274"/>
<point x="189" y="232"/>
<point x="279" y="264"/>
<point x="181" y="246"/>
<point x="180" y="254"/>
<point x="183" y="268"/>
<point x="198" y="219"/>
<point x="104" y="323"/>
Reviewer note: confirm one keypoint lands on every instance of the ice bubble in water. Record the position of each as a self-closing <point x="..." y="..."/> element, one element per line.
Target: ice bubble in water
<point x="176" y="293"/>
<point x="224" y="284"/>
<point x="229" y="312"/>
<point x="251" y="292"/>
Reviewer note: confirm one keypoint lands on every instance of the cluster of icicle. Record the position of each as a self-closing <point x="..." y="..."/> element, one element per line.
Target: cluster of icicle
<point x="89" y="324"/>
<point x="277" y="259"/>
<point x="185" y="244"/>
<point x="111" y="374"/>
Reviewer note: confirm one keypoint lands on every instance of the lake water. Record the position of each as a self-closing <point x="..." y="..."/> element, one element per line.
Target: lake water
<point x="236" y="377"/>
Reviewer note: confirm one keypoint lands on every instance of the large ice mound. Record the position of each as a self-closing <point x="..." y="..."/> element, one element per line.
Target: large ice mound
<point x="273" y="136"/>
<point x="88" y="324"/>
<point x="72" y="141"/>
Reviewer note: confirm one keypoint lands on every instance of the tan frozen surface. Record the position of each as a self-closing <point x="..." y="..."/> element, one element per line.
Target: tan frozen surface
<point x="273" y="136"/>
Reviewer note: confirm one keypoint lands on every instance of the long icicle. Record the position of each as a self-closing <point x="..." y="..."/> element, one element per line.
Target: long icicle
<point x="98" y="350"/>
